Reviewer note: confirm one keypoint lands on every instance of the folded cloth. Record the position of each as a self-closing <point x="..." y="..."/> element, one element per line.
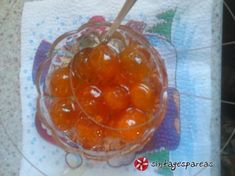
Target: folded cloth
<point x="182" y="26"/>
<point x="166" y="136"/>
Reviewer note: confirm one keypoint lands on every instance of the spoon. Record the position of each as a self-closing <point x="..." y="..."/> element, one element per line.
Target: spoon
<point x="121" y="15"/>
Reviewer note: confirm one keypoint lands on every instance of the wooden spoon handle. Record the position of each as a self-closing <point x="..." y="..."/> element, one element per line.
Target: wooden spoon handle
<point x="125" y="9"/>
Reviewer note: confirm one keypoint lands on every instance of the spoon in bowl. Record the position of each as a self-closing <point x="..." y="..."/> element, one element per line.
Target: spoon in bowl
<point x="121" y="15"/>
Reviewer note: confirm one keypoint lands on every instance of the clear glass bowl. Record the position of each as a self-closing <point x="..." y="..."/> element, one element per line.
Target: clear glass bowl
<point x="61" y="54"/>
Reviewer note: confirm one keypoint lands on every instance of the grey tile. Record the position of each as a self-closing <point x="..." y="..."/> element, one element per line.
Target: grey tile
<point x="10" y="157"/>
<point x="5" y="8"/>
<point x="10" y="112"/>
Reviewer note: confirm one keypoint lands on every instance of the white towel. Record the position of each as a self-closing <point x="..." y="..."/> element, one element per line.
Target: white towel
<point x="191" y="28"/>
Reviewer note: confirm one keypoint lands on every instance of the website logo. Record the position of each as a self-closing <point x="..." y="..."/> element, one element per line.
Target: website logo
<point x="141" y="163"/>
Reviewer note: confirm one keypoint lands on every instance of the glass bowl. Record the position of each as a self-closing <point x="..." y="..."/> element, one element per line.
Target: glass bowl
<point x="95" y="139"/>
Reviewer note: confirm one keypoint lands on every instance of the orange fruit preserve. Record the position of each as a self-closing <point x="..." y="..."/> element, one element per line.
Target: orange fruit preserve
<point x="64" y="113"/>
<point x="59" y="84"/>
<point x="88" y="134"/>
<point x="112" y="96"/>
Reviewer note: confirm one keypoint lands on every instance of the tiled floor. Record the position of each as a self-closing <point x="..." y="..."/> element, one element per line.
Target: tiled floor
<point x="10" y="13"/>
